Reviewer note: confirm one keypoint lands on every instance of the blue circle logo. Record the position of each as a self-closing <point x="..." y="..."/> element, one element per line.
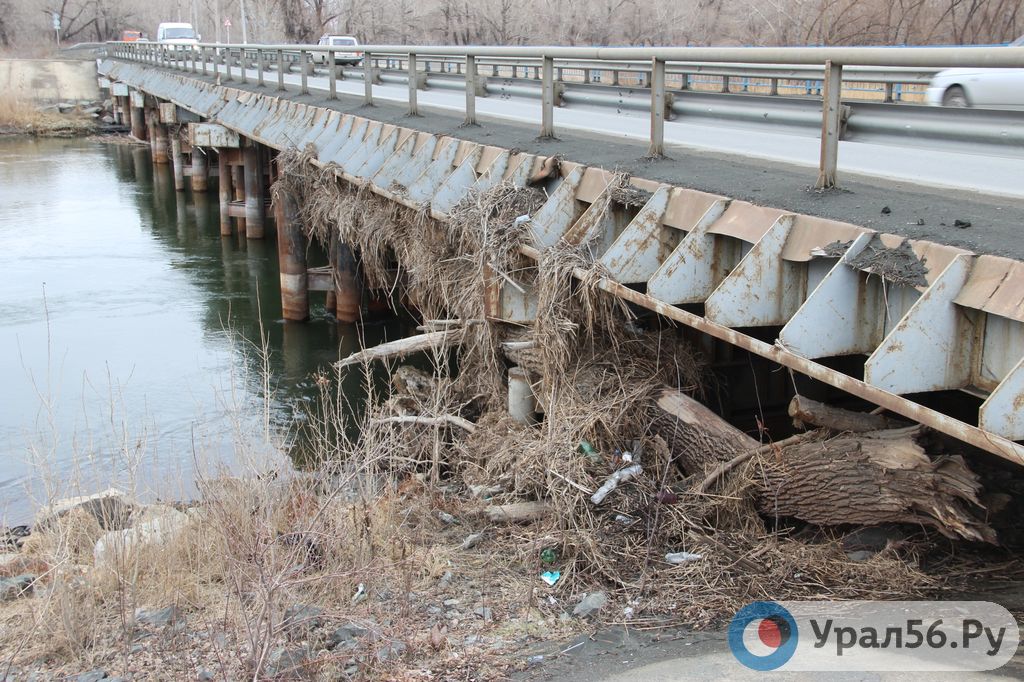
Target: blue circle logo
<point x="763" y="636"/>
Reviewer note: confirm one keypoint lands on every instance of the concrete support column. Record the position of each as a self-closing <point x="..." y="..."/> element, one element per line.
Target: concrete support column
<point x="160" y="140"/>
<point x="348" y="289"/>
<point x="138" y="120"/>
<point x="200" y="170"/>
<point x="522" y="404"/>
<point x="177" y="161"/>
<point x="255" y="208"/>
<point x="238" y="185"/>
<point x="224" y="191"/>
<point x="291" y="254"/>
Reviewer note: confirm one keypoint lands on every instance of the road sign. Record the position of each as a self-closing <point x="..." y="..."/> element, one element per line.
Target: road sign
<point x="227" y="22"/>
<point x="56" y="21"/>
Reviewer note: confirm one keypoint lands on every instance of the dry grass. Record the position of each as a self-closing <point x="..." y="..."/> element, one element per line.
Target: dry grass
<point x="20" y="117"/>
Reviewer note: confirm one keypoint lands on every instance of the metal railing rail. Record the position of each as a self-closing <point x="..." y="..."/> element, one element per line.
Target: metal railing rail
<point x="826" y="63"/>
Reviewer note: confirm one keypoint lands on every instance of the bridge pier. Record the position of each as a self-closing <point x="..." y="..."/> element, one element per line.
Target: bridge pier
<point x="159" y="141"/>
<point x="177" y="161"/>
<point x="238" y="186"/>
<point x="200" y="170"/>
<point x="255" y="207"/>
<point x="291" y="254"/>
<point x="348" y="289"/>
<point x="224" y="191"/>
<point x="138" y="116"/>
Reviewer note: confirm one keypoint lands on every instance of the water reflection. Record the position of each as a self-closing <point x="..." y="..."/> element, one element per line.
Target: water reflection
<point x="129" y="325"/>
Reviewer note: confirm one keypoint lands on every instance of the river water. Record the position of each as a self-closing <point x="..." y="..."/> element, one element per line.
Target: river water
<point x="128" y="329"/>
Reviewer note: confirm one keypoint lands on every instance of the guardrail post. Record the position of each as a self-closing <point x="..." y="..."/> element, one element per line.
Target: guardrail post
<point x="332" y="75"/>
<point x="280" y="69"/>
<point x="192" y="55"/>
<point x="242" y="66"/>
<point x="202" y="59"/>
<point x="470" y="90"/>
<point x="260" y="66"/>
<point x="831" y="113"/>
<point x="368" y="79"/>
<point x="413" y="76"/>
<point x="547" y="121"/>
<point x="657" y="148"/>
<point x="773" y="86"/>
<point x="304" y="66"/>
<point x="227" y="63"/>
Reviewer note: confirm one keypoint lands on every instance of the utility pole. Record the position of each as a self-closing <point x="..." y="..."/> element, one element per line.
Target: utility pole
<point x="216" y="21"/>
<point x="245" y="29"/>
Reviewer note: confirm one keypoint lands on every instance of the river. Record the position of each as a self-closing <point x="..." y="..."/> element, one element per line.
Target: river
<point x="129" y="329"/>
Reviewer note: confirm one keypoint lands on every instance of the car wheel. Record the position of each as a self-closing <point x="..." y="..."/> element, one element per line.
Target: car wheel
<point x="955" y="97"/>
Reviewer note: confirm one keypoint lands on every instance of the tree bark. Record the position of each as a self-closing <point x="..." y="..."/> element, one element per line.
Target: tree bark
<point x="805" y="411"/>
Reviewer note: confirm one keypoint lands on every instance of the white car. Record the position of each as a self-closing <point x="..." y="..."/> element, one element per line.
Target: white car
<point x="996" y="88"/>
<point x="171" y="33"/>
<point x="343" y="55"/>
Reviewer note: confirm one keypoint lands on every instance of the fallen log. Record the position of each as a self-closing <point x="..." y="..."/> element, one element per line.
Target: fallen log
<point x="439" y="420"/>
<point x="805" y="411"/>
<point x="397" y="349"/>
<point x="876" y="477"/>
<point x="517" y="512"/>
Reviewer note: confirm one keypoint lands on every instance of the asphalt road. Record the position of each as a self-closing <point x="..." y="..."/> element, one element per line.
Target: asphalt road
<point x="911" y="209"/>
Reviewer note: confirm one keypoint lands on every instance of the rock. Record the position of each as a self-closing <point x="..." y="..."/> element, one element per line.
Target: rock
<point x="590" y="604"/>
<point x="484" y="612"/>
<point x="160" y="618"/>
<point x="346" y="635"/>
<point x="111" y="508"/>
<point x="886" y="210"/>
<point x="14" y="536"/>
<point x="534" y="661"/>
<point x="91" y="110"/>
<point x="108" y="104"/>
<point x="65" y="106"/>
<point x="962" y="224"/>
<point x="393" y="649"/>
<point x="18" y="586"/>
<point x="472" y="540"/>
<point x="300" y="620"/>
<point x="445" y="580"/>
<point x="157" y="525"/>
<point x="107" y="120"/>
<point x="860" y="555"/>
<point x="435" y="610"/>
<point x="289" y="664"/>
<point x="470" y="640"/>
<point x="446" y="517"/>
<point x="92" y="676"/>
<point x="205" y="675"/>
<point x="873" y="538"/>
<point x="450" y="602"/>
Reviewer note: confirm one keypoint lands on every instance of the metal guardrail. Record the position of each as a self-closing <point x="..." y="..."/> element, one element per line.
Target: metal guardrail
<point x="657" y="64"/>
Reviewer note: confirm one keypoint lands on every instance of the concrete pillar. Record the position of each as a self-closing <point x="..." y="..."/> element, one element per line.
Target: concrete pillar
<point x="255" y="208"/>
<point x="178" y="162"/>
<point x="522" y="404"/>
<point x="138" y="118"/>
<point x="348" y="289"/>
<point x="238" y="185"/>
<point x="291" y="254"/>
<point x="200" y="170"/>
<point x="224" y="190"/>
<point x="160" y="141"/>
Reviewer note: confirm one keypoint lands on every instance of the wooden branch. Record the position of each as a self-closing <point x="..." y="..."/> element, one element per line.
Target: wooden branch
<point x="807" y="411"/>
<point x="517" y="512"/>
<point x="440" y="420"/>
<point x="725" y="467"/>
<point x="395" y="349"/>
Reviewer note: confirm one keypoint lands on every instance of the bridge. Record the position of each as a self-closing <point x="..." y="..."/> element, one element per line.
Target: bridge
<point x="813" y="273"/>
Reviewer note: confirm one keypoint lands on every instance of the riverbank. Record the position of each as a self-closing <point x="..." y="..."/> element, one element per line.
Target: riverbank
<point x="18" y="117"/>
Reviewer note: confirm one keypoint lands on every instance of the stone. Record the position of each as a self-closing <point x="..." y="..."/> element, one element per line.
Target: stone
<point x="483" y="611"/>
<point x="393" y="649"/>
<point x="445" y="580"/>
<point x="590" y="604"/>
<point x="107" y="120"/>
<point x="160" y="618"/>
<point x="14" y="536"/>
<point x="205" y="675"/>
<point x="300" y="620"/>
<point x="92" y="676"/>
<point x="288" y="663"/>
<point x="18" y="586"/>
<point x="872" y="538"/>
<point x="451" y="602"/>
<point x="111" y="508"/>
<point x="346" y="635"/>
<point x="156" y="525"/>
<point x="860" y="555"/>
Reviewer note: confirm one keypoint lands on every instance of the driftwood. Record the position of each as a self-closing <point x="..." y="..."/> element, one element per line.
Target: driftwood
<point x="805" y="411"/>
<point x="517" y="512"/>
<point x="882" y="476"/>
<point x="402" y="347"/>
<point x="439" y="420"/>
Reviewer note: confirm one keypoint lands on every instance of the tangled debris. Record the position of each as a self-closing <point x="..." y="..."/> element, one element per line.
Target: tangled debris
<point x="667" y="488"/>
<point x="898" y="265"/>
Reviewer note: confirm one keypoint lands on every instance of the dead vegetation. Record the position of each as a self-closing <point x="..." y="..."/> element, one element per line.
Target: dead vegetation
<point x="428" y="531"/>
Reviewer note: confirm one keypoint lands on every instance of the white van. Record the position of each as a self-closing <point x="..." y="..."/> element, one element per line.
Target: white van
<point x="346" y="54"/>
<point x="172" y="33"/>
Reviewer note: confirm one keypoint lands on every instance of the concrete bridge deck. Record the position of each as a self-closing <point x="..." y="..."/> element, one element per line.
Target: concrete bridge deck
<point x="733" y="248"/>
